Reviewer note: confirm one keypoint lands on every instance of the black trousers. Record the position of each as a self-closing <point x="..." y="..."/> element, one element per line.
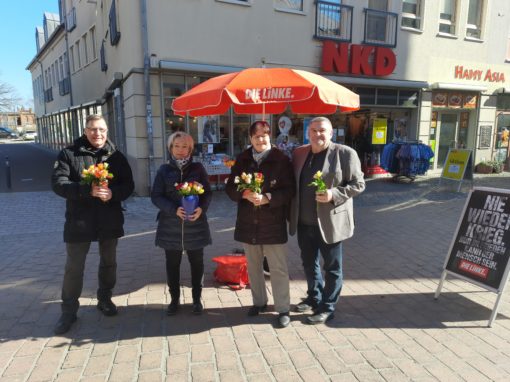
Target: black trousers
<point x="75" y="266"/>
<point x="173" y="273"/>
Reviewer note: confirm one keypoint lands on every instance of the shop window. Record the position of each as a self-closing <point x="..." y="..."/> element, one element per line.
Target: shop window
<point x="502" y="137"/>
<point x="503" y="102"/>
<point x="408" y="98"/>
<point x="447" y="16"/>
<point x="241" y="133"/>
<point x="285" y="5"/>
<point x="411" y="14"/>
<point x="475" y="16"/>
<point x="173" y="86"/>
<point x="366" y="96"/>
<point x="387" y="96"/>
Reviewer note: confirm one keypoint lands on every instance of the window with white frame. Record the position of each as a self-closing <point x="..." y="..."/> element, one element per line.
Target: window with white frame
<point x="447" y="16"/>
<point x="376" y="22"/>
<point x="293" y="5"/>
<point x="379" y="5"/>
<point x="78" y="55"/>
<point x="93" y="46"/>
<point x="85" y="50"/>
<point x="71" y="55"/>
<point x="411" y="13"/>
<point x="61" y="67"/>
<point x="54" y="73"/>
<point x="475" y="17"/>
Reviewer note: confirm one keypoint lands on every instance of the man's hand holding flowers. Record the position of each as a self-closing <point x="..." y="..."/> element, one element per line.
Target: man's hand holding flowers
<point x="97" y="176"/>
<point x="322" y="193"/>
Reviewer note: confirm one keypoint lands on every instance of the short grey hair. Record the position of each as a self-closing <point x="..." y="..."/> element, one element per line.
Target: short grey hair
<point x="93" y="117"/>
<point x="322" y="119"/>
<point x="180" y="135"/>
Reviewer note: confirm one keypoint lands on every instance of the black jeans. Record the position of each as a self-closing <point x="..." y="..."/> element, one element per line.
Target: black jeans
<point x="75" y="266"/>
<point x="173" y="273"/>
<point x="324" y="292"/>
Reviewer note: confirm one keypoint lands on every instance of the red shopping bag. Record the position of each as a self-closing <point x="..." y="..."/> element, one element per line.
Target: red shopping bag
<point x="232" y="270"/>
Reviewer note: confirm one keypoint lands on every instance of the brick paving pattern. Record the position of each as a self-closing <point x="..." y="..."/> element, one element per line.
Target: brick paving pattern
<point x="387" y="326"/>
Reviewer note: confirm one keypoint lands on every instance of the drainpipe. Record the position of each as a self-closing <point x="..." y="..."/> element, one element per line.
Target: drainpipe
<point x="148" y="103"/>
<point x="68" y="67"/>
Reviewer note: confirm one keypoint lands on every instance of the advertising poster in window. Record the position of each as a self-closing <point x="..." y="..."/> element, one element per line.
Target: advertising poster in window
<point x="379" y="129"/>
<point x="503" y="137"/>
<point x="455" y="100"/>
<point x="480" y="248"/>
<point x="469" y="101"/>
<point x="208" y="129"/>
<point x="400" y="129"/>
<point x="439" y="99"/>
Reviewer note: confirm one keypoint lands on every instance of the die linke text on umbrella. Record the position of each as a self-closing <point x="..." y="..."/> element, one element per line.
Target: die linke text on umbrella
<point x="489" y="223"/>
<point x="268" y="94"/>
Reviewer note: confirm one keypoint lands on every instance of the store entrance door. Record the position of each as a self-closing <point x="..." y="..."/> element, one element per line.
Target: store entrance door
<point x="448" y="127"/>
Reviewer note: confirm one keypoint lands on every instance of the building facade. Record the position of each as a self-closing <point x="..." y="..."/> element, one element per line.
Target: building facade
<point x="433" y="71"/>
<point x="18" y="121"/>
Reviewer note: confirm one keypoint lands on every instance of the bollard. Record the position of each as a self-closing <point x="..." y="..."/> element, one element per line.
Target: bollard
<point x="8" y="173"/>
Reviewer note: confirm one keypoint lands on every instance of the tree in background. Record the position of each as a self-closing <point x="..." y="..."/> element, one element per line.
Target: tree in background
<point x="9" y="99"/>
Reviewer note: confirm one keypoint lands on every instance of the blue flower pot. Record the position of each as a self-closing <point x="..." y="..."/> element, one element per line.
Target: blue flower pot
<point x="190" y="204"/>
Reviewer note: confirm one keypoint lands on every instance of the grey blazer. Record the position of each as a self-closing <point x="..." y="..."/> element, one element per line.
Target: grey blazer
<point x="342" y="174"/>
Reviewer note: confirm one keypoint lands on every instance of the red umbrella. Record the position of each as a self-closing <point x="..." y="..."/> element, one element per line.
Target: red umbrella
<point x="266" y="91"/>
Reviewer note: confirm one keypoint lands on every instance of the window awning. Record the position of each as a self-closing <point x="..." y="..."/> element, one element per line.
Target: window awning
<point x="378" y="82"/>
<point x="502" y="91"/>
<point x="196" y="67"/>
<point x="450" y="86"/>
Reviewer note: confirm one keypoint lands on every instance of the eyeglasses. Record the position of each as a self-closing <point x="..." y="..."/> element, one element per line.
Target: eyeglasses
<point x="97" y="130"/>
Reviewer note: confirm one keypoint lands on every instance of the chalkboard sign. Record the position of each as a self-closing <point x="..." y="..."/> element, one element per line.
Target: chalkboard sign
<point x="480" y="248"/>
<point x="484" y="141"/>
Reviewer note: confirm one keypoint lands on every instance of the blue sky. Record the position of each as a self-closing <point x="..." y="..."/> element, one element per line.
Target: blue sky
<point x="17" y="41"/>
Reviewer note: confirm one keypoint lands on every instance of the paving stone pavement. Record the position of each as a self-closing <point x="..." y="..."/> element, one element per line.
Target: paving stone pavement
<point x="387" y="326"/>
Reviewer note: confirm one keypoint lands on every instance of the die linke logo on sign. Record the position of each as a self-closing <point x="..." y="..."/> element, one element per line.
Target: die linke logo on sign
<point x="363" y="59"/>
<point x="478" y="75"/>
<point x="268" y="94"/>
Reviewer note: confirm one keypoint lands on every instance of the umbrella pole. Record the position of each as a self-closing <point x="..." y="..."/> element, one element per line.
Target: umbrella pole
<point x="263" y="111"/>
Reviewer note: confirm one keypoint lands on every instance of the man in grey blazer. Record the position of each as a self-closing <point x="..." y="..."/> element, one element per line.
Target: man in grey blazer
<point x="323" y="220"/>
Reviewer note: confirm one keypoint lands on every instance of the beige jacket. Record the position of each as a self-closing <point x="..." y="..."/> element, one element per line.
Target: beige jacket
<point x="342" y="174"/>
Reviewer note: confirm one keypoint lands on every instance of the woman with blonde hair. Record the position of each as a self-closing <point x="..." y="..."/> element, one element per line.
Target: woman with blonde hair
<point x="178" y="232"/>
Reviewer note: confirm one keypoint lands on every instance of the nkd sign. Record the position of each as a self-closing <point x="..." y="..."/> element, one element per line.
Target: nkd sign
<point x="363" y="59"/>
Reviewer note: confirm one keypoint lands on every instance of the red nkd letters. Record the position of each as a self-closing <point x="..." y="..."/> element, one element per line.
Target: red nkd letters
<point x="336" y="58"/>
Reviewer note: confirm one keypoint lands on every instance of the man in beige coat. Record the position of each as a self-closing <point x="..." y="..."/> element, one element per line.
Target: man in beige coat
<point x="323" y="220"/>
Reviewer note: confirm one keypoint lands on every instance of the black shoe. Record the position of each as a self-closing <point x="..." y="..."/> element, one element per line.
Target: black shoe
<point x="320" y="318"/>
<point x="198" y="308"/>
<point x="266" y="267"/>
<point x="306" y="305"/>
<point x="283" y="319"/>
<point x="255" y="310"/>
<point x="107" y="307"/>
<point x="64" y="323"/>
<point x="172" y="309"/>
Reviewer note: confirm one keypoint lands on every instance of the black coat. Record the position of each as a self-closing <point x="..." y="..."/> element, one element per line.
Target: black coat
<point x="174" y="233"/>
<point x="266" y="224"/>
<point x="88" y="218"/>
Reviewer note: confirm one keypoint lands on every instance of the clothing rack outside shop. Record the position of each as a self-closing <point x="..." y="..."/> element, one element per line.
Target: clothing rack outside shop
<point x="406" y="159"/>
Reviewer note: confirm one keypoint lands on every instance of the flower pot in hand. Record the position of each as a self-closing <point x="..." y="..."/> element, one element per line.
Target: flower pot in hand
<point x="190" y="204"/>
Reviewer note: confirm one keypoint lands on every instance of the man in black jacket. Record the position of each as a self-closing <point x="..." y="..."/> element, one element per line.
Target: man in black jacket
<point x="93" y="213"/>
